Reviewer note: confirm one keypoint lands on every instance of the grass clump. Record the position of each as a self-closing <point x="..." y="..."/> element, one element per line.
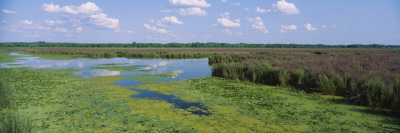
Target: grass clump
<point x="12" y="122"/>
<point x="5" y="56"/>
<point x="4" y="95"/>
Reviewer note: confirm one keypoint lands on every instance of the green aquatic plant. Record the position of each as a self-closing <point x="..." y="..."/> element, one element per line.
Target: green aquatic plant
<point x="284" y="108"/>
<point x="14" y="64"/>
<point x="5" y="56"/>
<point x="62" y="102"/>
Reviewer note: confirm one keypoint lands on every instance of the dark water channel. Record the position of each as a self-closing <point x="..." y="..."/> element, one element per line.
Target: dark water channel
<point x="195" y="107"/>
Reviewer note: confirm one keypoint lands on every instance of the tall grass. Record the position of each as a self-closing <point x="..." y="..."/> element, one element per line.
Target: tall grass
<point x="10" y="120"/>
<point x="4" y="95"/>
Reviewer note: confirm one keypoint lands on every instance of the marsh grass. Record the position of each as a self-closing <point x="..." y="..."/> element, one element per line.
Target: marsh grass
<point x="165" y="75"/>
<point x="12" y="122"/>
<point x="51" y="56"/>
<point x="4" y="95"/>
<point x="14" y="64"/>
<point x="5" y="56"/>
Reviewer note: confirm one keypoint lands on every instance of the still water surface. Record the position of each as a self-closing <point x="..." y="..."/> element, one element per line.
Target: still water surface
<point x="87" y="68"/>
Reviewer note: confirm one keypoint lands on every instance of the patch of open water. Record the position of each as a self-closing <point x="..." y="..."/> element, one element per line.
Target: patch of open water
<point x="86" y="67"/>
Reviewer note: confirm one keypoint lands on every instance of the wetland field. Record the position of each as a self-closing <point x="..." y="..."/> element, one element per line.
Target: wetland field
<point x="199" y="66"/>
<point x="199" y="90"/>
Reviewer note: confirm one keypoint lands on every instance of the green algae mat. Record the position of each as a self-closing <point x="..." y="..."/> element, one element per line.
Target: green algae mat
<point x="53" y="101"/>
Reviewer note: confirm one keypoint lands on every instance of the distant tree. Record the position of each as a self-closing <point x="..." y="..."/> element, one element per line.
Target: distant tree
<point x="7" y="45"/>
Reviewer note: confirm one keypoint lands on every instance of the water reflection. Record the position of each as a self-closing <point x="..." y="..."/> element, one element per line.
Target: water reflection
<point x="98" y="72"/>
<point x="183" y="68"/>
<point x="18" y="54"/>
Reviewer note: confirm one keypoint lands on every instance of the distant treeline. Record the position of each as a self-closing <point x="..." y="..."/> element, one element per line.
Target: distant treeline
<point x="186" y="45"/>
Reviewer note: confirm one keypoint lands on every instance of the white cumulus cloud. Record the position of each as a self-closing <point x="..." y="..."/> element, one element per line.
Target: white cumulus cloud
<point x="51" y="8"/>
<point x="260" y="10"/>
<point x="53" y="22"/>
<point x="27" y="22"/>
<point x="87" y="8"/>
<point x="155" y="29"/>
<point x="79" y="29"/>
<point x="227" y="31"/>
<point x="286" y="7"/>
<point x="309" y="27"/>
<point x="165" y="11"/>
<point x="8" y="11"/>
<point x="192" y="11"/>
<point x="60" y="29"/>
<point x="39" y="27"/>
<point x="102" y="20"/>
<point x="88" y="12"/>
<point x="226" y="22"/>
<point x="258" y="24"/>
<point x="29" y="25"/>
<point x="236" y="4"/>
<point x="172" y="20"/>
<point x="191" y="3"/>
<point x="285" y="28"/>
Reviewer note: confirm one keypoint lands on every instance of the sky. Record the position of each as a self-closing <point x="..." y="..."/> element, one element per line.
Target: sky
<point x="329" y="22"/>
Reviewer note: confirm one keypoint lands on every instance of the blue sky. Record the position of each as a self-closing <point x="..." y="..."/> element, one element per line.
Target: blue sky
<point x="231" y="21"/>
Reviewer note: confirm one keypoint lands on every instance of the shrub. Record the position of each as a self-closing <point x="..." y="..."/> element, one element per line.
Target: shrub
<point x="283" y="78"/>
<point x="296" y="78"/>
<point x="340" y="85"/>
<point x="326" y="85"/>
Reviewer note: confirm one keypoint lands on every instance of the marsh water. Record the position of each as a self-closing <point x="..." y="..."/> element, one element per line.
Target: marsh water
<point x="177" y="69"/>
